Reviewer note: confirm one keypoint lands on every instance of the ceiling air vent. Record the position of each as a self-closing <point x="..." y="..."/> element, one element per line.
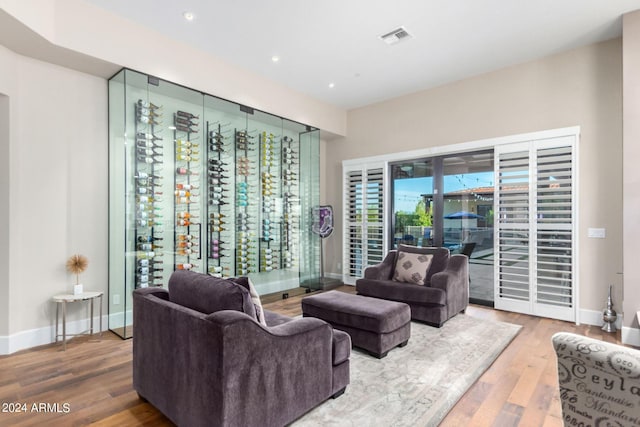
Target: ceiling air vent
<point x="395" y="36"/>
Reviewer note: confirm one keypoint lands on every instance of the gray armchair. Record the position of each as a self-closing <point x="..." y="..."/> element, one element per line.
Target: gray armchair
<point x="201" y="357"/>
<point x="599" y="381"/>
<point x="445" y="291"/>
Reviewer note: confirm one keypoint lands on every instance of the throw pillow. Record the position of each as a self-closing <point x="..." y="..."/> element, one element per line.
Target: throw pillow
<point x="208" y="294"/>
<point x="438" y="263"/>
<point x="412" y="268"/>
<point x="255" y="298"/>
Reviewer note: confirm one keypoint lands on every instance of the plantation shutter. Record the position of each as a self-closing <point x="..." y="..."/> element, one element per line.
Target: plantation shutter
<point x="363" y="235"/>
<point x="535" y="227"/>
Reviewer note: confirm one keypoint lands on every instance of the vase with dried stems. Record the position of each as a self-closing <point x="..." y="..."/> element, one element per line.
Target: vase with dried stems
<point x="76" y="264"/>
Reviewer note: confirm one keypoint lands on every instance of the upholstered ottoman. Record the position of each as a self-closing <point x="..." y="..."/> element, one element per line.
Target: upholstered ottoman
<point x="374" y="325"/>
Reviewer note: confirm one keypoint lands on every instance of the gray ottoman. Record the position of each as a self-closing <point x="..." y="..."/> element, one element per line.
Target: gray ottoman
<point x="374" y="325"/>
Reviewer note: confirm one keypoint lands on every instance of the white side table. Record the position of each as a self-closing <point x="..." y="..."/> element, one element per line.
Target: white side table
<point x="64" y="299"/>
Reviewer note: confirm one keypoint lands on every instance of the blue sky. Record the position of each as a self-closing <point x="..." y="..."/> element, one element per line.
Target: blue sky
<point x="407" y="191"/>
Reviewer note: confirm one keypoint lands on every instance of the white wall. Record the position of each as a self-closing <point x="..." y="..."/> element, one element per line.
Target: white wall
<point x="58" y="199"/>
<point x="582" y="88"/>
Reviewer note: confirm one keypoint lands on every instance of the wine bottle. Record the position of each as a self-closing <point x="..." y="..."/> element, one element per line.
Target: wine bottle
<point x="186" y="215"/>
<point x="186" y="129"/>
<point x="217" y="181"/>
<point x="185" y="143"/>
<point x="185" y="252"/>
<point x="148" y="104"/>
<point x="149" y="136"/>
<point x="145" y="175"/>
<point x="149" y="160"/>
<point x="183" y="200"/>
<point x="148" y="262"/>
<point x="187" y="158"/>
<point x="186" y="237"/>
<point x="186" y="151"/>
<point x="185" y="122"/>
<point x="186" y="244"/>
<point x="147" y="120"/>
<point x="187" y="187"/>
<point x="187" y="115"/>
<point x="185" y="266"/>
<point x="146" y="254"/>
<point x="217" y="175"/>
<point x="185" y="171"/>
<point x="143" y="143"/>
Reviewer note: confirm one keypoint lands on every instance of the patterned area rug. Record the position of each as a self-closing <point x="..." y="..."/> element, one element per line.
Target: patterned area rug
<point x="416" y="385"/>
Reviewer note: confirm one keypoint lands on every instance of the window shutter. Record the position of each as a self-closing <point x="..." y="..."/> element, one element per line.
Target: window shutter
<point x="554" y="214"/>
<point x="535" y="228"/>
<point x="364" y="219"/>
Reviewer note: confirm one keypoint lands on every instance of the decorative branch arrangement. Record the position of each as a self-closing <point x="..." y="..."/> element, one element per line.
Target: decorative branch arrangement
<point x="76" y="264"/>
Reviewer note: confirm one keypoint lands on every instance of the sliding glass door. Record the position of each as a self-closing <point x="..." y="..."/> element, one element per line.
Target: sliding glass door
<point x="448" y="201"/>
<point x="412" y="203"/>
<point x="467" y="217"/>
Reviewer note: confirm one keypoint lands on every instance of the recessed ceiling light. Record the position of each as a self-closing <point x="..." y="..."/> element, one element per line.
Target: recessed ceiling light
<point x="275" y="58"/>
<point x="332" y="85"/>
<point x="189" y="16"/>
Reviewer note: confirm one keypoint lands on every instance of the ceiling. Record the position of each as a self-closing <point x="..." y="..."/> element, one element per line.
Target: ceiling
<point x="337" y="41"/>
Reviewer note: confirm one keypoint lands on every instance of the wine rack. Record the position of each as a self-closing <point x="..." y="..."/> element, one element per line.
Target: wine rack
<point x="271" y="227"/>
<point x="204" y="184"/>
<point x="220" y="182"/>
<point x="188" y="230"/>
<point x="149" y="157"/>
<point x="246" y="197"/>
<point x="291" y="216"/>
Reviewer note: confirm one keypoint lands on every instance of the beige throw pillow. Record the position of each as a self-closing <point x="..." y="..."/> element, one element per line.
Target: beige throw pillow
<point x="412" y="268"/>
<point x="257" y="303"/>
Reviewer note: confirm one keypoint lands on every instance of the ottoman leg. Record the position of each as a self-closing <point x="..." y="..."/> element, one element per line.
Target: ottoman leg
<point x="379" y="355"/>
<point x="402" y="344"/>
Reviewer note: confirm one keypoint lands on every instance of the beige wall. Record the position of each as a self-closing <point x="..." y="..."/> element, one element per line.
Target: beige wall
<point x="631" y="135"/>
<point x="578" y="88"/>
<point x="5" y="190"/>
<point x="58" y="186"/>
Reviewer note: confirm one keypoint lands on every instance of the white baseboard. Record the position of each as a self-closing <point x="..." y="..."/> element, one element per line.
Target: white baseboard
<point x="594" y="318"/>
<point x="41" y="336"/>
<point x="631" y="336"/>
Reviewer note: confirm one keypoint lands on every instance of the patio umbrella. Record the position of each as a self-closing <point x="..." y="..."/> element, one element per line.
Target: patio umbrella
<point x="463" y="215"/>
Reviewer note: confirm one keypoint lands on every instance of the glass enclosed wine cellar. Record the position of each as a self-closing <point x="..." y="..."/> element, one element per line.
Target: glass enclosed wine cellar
<point x="200" y="183"/>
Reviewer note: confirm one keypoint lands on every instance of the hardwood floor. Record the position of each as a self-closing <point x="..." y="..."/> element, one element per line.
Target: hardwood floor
<point x="90" y="383"/>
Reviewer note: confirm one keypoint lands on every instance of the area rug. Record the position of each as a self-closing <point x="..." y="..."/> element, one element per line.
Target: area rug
<point x="416" y="385"/>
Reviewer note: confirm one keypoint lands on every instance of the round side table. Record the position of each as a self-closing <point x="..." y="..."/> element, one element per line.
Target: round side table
<point x="64" y="299"/>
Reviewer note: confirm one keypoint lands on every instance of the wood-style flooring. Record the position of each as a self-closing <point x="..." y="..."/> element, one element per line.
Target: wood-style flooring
<point x="90" y="383"/>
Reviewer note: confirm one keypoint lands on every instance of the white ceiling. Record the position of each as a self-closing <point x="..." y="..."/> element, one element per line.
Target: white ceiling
<point x="336" y="41"/>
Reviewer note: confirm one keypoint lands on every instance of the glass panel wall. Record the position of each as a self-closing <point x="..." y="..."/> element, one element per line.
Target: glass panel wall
<point x="199" y="183"/>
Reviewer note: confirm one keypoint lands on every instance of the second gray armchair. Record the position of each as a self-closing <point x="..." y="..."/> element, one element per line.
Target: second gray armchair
<point x="432" y="282"/>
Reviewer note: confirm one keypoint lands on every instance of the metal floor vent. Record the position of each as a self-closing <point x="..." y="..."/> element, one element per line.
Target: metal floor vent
<point x="396" y="36"/>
